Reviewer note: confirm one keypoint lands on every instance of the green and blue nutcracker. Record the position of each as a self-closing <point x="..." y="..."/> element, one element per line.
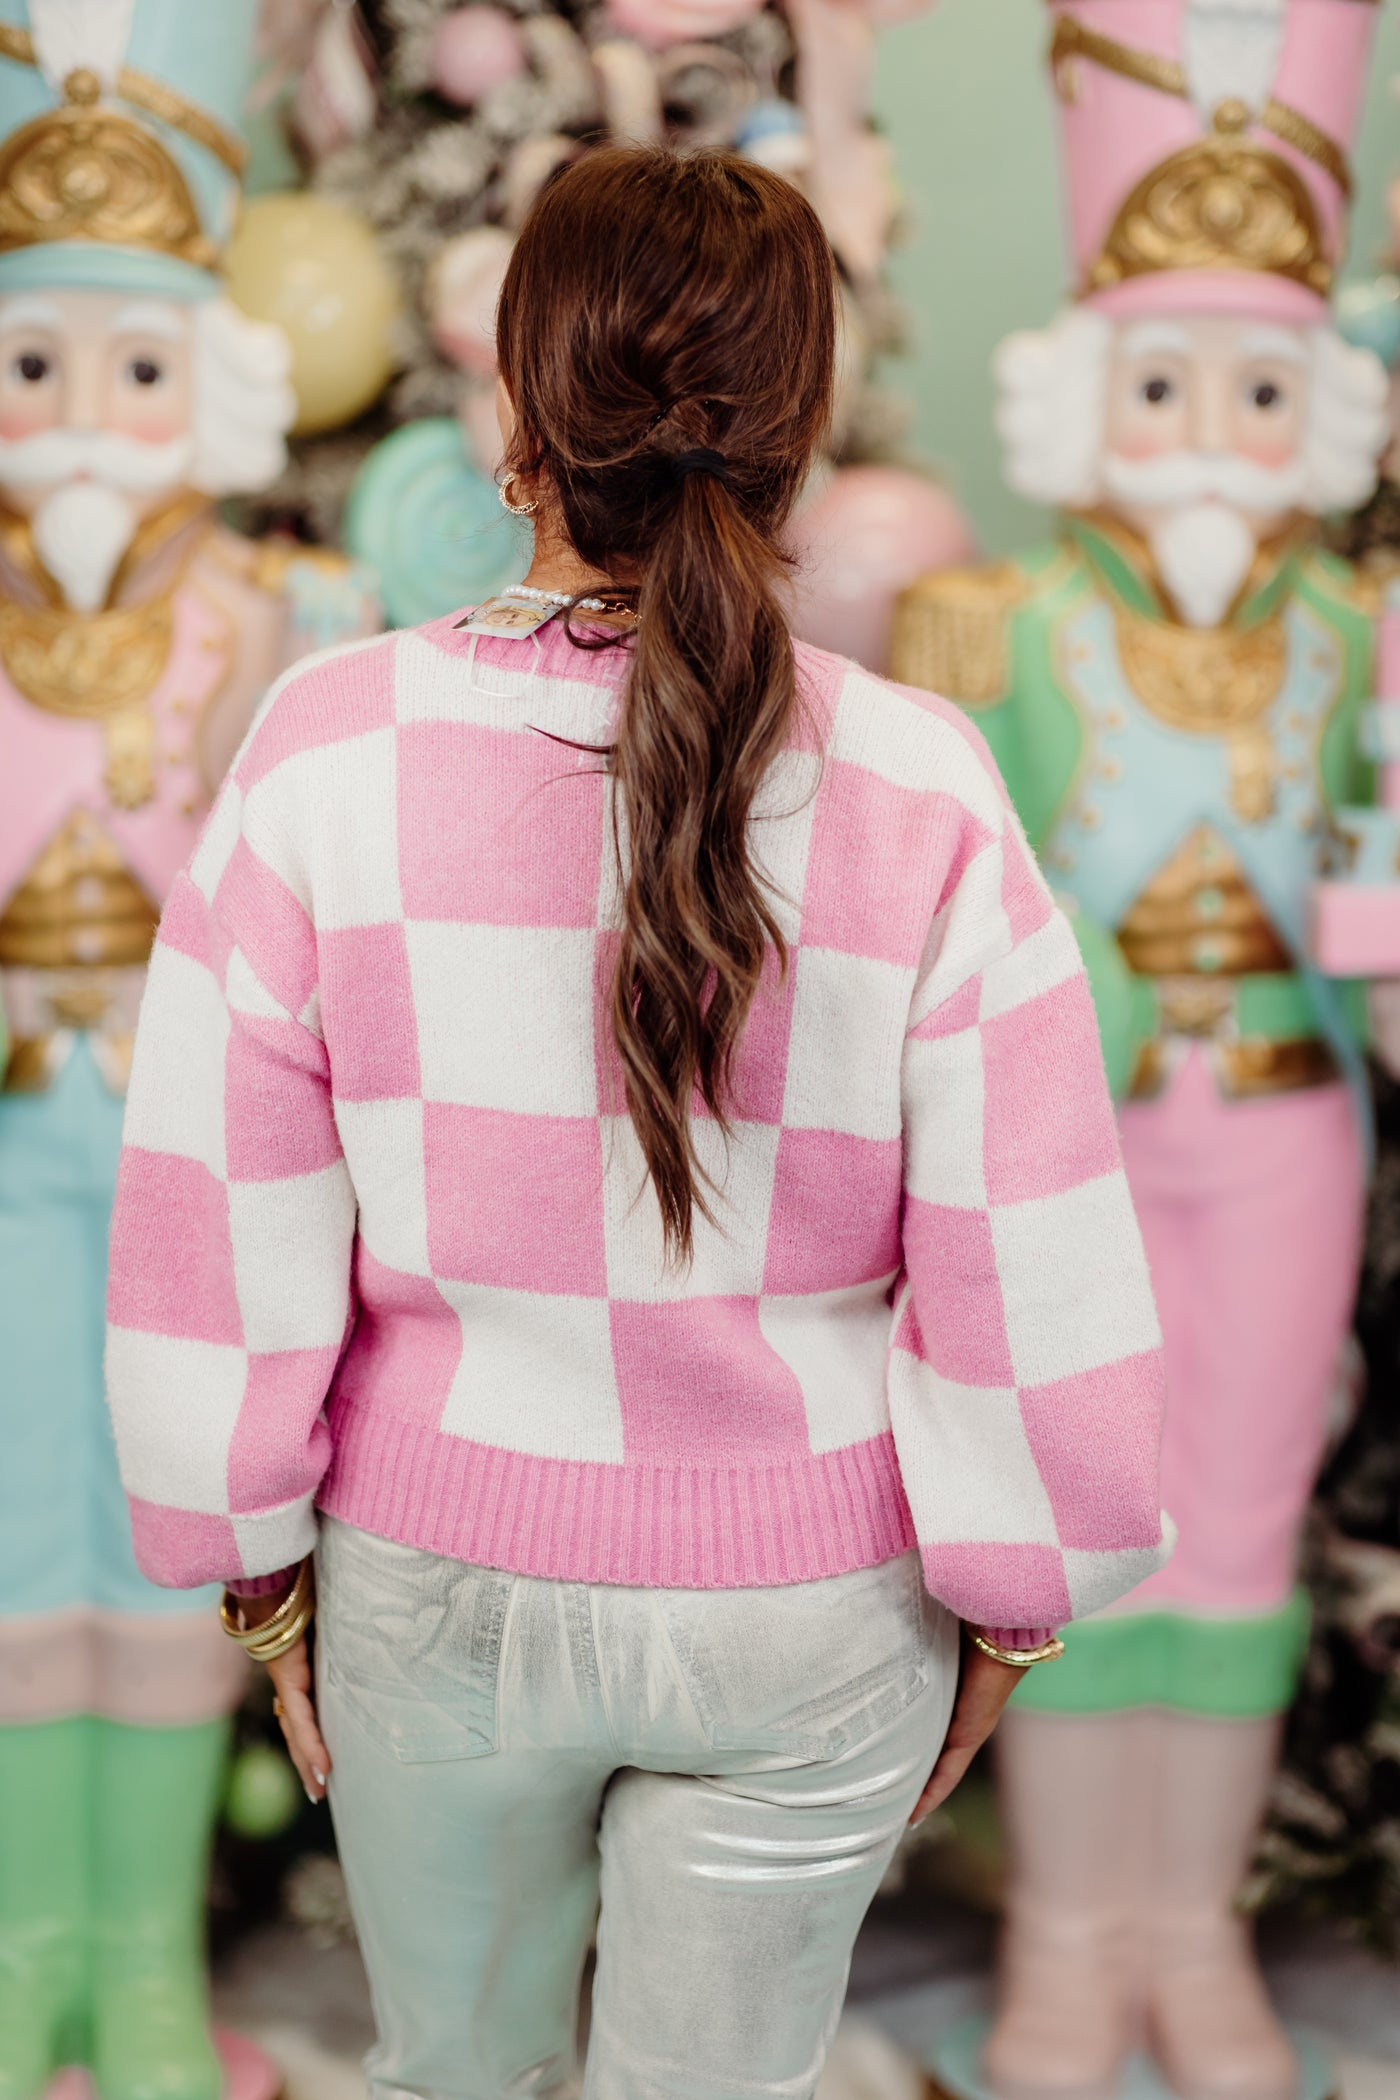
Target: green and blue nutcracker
<point x="1178" y="693"/>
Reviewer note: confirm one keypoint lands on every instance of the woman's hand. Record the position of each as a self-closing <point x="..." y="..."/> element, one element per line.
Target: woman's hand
<point x="984" y="1686"/>
<point x="295" y="1708"/>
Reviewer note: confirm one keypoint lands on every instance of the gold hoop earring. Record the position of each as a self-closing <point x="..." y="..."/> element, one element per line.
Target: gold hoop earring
<point x="517" y="510"/>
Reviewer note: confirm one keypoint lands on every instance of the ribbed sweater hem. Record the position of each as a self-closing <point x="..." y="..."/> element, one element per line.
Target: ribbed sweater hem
<point x="658" y="1527"/>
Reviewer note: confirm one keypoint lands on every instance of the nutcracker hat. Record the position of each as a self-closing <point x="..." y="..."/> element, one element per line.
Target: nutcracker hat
<point x="120" y="152"/>
<point x="1207" y="148"/>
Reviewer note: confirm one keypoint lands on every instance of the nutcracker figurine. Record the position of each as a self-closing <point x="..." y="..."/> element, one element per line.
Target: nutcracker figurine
<point x="1177" y="693"/>
<point x="136" y="636"/>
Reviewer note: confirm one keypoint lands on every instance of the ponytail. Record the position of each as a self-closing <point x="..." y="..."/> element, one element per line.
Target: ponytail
<point x="706" y="710"/>
<point x="667" y="333"/>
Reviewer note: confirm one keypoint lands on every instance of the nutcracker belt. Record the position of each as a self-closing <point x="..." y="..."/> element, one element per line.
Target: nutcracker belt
<point x="1262" y="1032"/>
<point x="46" y="1011"/>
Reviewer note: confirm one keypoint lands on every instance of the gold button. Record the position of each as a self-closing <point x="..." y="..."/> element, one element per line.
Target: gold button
<point x="1231" y="115"/>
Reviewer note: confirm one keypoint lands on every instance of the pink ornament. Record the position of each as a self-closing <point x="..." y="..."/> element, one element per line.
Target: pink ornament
<point x="463" y="288"/>
<point x="864" y="537"/>
<point x="476" y="49"/>
<point x="659" y="23"/>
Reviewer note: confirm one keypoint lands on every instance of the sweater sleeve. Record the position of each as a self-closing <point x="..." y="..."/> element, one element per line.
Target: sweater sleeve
<point x="1026" y="1378"/>
<point x="230" y="1294"/>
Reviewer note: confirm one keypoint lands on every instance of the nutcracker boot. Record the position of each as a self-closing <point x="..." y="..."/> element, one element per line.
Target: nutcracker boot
<point x="156" y="1796"/>
<point x="1073" y="1789"/>
<point x="44" y="1897"/>
<point x="1213" y="2030"/>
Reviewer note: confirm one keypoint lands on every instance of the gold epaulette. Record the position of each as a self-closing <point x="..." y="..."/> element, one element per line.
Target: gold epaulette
<point x="952" y="631"/>
<point x="1371" y="580"/>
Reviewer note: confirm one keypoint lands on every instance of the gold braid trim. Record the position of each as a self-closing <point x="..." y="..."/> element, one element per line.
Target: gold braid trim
<point x="1073" y="40"/>
<point x="154" y="97"/>
<point x="1304" y="137"/>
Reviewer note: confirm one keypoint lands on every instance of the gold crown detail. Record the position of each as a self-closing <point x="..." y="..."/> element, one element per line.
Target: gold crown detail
<point x="1221" y="204"/>
<point x="88" y="172"/>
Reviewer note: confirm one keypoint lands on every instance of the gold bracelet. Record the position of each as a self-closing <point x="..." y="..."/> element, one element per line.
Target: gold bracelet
<point x="268" y="1651"/>
<point x="230" y="1611"/>
<point x="251" y="1637"/>
<point x="1018" y="1658"/>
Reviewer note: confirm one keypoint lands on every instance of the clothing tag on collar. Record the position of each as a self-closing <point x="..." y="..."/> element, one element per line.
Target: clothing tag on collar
<point x="508" y="617"/>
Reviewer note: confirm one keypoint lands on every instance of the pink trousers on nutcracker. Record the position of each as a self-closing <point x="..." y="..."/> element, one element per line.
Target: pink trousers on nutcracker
<point x="1135" y="1772"/>
<point x="1252" y="1213"/>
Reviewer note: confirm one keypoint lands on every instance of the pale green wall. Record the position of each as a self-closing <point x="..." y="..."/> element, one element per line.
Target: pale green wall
<point x="966" y="104"/>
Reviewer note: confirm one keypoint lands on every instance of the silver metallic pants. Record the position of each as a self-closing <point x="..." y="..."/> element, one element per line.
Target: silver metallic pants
<point x="730" y="1768"/>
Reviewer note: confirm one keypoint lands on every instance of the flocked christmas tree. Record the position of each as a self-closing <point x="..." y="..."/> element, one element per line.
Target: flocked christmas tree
<point x="436" y="125"/>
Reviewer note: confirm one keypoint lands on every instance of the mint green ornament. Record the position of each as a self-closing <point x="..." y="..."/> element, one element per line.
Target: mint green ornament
<point x="430" y="526"/>
<point x="264" y="1793"/>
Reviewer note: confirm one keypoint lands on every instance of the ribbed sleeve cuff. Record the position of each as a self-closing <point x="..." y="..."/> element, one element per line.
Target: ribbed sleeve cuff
<point x="263" y="1585"/>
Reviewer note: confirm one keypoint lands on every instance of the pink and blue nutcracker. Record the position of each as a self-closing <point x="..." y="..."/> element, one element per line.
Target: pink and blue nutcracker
<point x="1179" y="693"/>
<point x="136" y="637"/>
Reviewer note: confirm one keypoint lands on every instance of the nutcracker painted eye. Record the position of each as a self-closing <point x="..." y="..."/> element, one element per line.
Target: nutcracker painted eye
<point x="144" y="371"/>
<point x="1157" y="391"/>
<point x="32" y="367"/>
<point x="1266" y="395"/>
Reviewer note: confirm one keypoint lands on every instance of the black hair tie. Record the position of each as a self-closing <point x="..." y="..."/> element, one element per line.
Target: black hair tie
<point x="701" y="461"/>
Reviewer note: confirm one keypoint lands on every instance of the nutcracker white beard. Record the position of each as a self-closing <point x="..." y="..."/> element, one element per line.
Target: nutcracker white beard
<point x="1203" y="553"/>
<point x="85" y="522"/>
<point x="1204" y="535"/>
<point x="86" y="518"/>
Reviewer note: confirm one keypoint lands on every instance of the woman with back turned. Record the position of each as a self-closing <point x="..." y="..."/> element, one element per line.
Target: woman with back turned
<point x="610" y="1166"/>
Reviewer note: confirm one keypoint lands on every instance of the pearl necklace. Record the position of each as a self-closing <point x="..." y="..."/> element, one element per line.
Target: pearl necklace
<point x="530" y="590"/>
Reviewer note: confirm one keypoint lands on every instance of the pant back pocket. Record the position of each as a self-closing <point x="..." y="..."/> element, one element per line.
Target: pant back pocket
<point x="810" y="1670"/>
<point x="411" y="1641"/>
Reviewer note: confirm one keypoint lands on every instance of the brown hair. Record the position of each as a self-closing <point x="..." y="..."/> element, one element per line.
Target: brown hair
<point x="658" y="306"/>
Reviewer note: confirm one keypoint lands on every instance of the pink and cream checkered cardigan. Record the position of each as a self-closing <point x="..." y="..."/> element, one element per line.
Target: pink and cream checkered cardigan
<point x="383" y="1243"/>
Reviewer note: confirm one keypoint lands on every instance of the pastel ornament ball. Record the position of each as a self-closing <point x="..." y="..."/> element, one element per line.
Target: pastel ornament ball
<point x="476" y="49"/>
<point x="860" y="539"/>
<point x="264" y="1793"/>
<point x="659" y="23"/>
<point x="315" y="268"/>
<point x="463" y="290"/>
